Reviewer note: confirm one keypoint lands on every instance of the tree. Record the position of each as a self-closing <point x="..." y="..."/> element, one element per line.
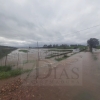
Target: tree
<point x="45" y="46"/>
<point x="92" y="43"/>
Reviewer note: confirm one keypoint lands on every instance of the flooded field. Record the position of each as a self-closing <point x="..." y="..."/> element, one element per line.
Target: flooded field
<point x="19" y="58"/>
<point x="74" y="78"/>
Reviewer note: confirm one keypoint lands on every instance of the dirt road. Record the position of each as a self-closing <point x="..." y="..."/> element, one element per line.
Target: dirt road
<point x="85" y="84"/>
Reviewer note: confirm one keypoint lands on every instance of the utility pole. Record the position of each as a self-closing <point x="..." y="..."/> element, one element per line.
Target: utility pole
<point x="37" y="64"/>
<point x="6" y="60"/>
<point x="27" y="56"/>
<point x="28" y="53"/>
<point x="38" y="51"/>
<point x="18" y="59"/>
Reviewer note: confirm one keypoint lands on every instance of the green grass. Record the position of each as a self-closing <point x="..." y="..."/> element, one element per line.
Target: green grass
<point x="57" y="54"/>
<point x="59" y="50"/>
<point x="7" y="72"/>
<point x="82" y="48"/>
<point x="59" y="59"/>
<point x="24" y="51"/>
<point x="5" y="68"/>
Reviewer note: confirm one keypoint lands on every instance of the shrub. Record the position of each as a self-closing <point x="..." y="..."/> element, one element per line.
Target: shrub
<point x="7" y="71"/>
<point x="5" y="68"/>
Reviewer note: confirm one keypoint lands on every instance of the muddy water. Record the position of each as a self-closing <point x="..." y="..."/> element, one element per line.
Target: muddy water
<point x="23" y="60"/>
<point x="87" y="88"/>
<point x="88" y="84"/>
<point x="17" y="58"/>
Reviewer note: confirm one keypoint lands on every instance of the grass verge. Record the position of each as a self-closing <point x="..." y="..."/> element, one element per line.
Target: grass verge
<point x="60" y="50"/>
<point x="56" y="54"/>
<point x="25" y="51"/>
<point x="7" y="72"/>
<point x="59" y="59"/>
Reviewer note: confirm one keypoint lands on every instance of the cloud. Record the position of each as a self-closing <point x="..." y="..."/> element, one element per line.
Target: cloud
<point x="24" y="22"/>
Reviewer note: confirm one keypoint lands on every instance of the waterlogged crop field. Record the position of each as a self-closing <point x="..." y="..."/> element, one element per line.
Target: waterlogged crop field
<point x="29" y="59"/>
<point x="22" y="56"/>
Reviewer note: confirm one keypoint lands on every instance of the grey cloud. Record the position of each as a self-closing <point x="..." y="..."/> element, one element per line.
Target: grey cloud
<point x="48" y="21"/>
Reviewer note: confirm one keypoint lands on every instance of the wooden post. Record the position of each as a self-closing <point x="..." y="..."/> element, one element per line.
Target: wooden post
<point x="38" y="51"/>
<point x="6" y="60"/>
<point x="46" y="53"/>
<point x="27" y="56"/>
<point x="37" y="64"/>
<point x="18" y="60"/>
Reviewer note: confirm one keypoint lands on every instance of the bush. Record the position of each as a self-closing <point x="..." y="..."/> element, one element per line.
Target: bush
<point x="64" y="57"/>
<point x="4" y="75"/>
<point x="16" y="72"/>
<point x="5" y="68"/>
<point x="7" y="71"/>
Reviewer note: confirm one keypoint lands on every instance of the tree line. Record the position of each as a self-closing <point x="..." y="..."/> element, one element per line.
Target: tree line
<point x="63" y="46"/>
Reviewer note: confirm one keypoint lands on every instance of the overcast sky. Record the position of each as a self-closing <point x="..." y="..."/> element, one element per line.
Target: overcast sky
<point x="24" y="22"/>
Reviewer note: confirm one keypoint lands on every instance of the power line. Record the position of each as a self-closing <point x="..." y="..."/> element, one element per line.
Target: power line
<point x="88" y="28"/>
<point x="75" y="32"/>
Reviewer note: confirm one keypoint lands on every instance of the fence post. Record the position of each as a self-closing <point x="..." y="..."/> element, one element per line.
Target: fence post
<point x="27" y="56"/>
<point x="6" y="60"/>
<point x="18" y="60"/>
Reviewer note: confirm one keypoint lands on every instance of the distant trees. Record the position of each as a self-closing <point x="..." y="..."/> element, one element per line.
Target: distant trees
<point x="63" y="46"/>
<point x="54" y="46"/>
<point x="47" y="46"/>
<point x="92" y="43"/>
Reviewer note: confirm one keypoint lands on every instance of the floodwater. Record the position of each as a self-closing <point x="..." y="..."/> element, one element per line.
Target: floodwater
<point x="75" y="78"/>
<point x="18" y="59"/>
